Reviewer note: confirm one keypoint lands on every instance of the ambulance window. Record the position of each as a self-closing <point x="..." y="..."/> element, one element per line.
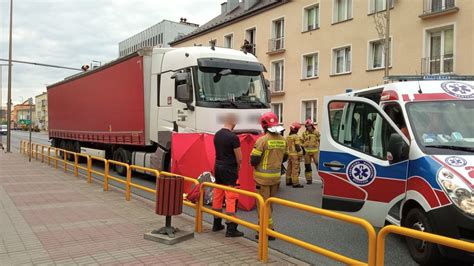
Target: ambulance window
<point x="361" y="128"/>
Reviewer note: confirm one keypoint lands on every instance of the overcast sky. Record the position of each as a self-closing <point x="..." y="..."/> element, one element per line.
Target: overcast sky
<point x="75" y="32"/>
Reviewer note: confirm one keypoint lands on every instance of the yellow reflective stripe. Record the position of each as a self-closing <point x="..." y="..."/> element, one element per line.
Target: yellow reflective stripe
<point x="311" y="150"/>
<point x="276" y="144"/>
<point x="265" y="160"/>
<point x="256" y="152"/>
<point x="267" y="174"/>
<point x="293" y="153"/>
<point x="270" y="221"/>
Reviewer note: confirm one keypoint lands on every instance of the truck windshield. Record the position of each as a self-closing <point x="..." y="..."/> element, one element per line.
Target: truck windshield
<point x="230" y="88"/>
<point x="443" y="127"/>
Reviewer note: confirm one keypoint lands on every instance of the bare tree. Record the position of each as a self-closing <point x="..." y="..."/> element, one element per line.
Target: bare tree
<point x="382" y="26"/>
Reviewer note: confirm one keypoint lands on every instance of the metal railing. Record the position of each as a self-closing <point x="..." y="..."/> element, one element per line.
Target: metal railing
<point x="438" y="64"/>
<point x="327" y="253"/>
<point x="276" y="44"/>
<point x="256" y="227"/>
<point x="376" y="242"/>
<point x="433" y="6"/>
<point x="441" y="240"/>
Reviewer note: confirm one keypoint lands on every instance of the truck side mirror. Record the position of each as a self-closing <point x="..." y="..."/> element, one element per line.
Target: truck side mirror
<point x="183" y="90"/>
<point x="398" y="149"/>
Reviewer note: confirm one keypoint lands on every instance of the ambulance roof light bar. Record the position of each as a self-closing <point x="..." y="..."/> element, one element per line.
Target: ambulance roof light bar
<point x="428" y="77"/>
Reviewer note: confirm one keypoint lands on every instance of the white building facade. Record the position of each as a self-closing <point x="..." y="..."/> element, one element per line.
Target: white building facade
<point x="157" y="35"/>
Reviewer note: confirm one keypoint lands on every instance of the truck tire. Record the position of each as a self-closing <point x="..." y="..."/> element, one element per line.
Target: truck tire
<point x="424" y="253"/>
<point x="62" y="145"/>
<point x="70" y="147"/>
<point x="77" y="149"/>
<point x="124" y="156"/>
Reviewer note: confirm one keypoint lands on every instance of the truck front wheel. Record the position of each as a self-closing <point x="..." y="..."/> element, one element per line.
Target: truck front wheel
<point x="124" y="156"/>
<point x="424" y="253"/>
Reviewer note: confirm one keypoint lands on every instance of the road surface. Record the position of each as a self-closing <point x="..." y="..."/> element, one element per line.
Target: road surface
<point x="334" y="235"/>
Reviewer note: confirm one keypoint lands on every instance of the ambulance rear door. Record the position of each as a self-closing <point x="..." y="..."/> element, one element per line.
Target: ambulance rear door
<point x="363" y="159"/>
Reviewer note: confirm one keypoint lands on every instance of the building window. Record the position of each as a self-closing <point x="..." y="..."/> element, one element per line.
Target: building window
<point x="277" y="108"/>
<point x="379" y="5"/>
<point x="311" y="18"/>
<point x="229" y="41"/>
<point x="431" y="6"/>
<point x="310" y="66"/>
<point x="251" y="38"/>
<point x="309" y="110"/>
<point x="341" y="60"/>
<point x="342" y="10"/>
<point x="278" y="73"/>
<point x="377" y="54"/>
<point x="278" y="35"/>
<point x="440" y="52"/>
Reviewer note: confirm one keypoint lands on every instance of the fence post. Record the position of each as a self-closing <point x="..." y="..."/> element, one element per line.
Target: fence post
<point x="127" y="185"/>
<point x="36" y="151"/>
<point x="76" y="169"/>
<point x="198" y="225"/>
<point x="265" y="220"/>
<point x="106" y="175"/>
<point x="89" y="165"/>
<point x="42" y="153"/>
<point x="56" y="158"/>
<point x="64" y="161"/>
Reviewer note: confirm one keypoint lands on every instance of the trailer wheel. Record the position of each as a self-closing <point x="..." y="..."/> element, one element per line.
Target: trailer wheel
<point x="77" y="149"/>
<point x="424" y="253"/>
<point x="70" y="147"/>
<point x="124" y="156"/>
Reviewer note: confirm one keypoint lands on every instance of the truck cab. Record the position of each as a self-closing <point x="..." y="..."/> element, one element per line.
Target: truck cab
<point x="403" y="153"/>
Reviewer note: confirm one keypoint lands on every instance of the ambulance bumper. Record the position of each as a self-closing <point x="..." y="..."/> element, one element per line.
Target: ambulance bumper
<point x="451" y="222"/>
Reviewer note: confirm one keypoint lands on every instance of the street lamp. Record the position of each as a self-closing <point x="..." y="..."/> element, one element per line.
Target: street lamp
<point x="1" y="101"/>
<point x="9" y="95"/>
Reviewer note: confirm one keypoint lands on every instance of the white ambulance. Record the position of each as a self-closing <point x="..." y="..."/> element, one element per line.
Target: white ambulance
<point x="403" y="153"/>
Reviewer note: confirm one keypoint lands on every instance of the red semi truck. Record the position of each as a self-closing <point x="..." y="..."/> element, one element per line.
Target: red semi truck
<point x="128" y="109"/>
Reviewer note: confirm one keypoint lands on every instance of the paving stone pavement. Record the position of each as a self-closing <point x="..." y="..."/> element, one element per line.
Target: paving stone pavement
<point x="48" y="217"/>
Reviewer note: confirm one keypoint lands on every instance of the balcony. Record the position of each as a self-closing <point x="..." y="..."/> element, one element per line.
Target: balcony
<point x="434" y="8"/>
<point x="276" y="87"/>
<point x="276" y="45"/>
<point x="443" y="64"/>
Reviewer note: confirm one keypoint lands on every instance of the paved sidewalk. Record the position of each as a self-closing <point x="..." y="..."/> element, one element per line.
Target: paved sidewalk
<point x="49" y="217"/>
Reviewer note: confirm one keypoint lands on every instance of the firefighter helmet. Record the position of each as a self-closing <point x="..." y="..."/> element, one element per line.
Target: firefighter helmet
<point x="295" y="126"/>
<point x="269" y="121"/>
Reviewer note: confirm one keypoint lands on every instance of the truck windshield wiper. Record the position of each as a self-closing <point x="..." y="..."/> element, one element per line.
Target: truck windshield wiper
<point x="259" y="103"/>
<point x="451" y="147"/>
<point x="226" y="103"/>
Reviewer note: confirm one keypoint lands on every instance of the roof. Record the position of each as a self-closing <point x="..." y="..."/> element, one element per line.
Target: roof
<point x="233" y="16"/>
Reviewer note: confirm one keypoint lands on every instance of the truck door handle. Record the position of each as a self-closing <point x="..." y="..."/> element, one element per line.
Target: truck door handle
<point x="334" y="165"/>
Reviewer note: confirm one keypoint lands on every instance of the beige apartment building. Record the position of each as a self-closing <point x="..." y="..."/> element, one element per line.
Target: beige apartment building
<point x="314" y="48"/>
<point x="42" y="111"/>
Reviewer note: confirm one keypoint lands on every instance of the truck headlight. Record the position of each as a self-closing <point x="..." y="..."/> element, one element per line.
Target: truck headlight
<point x="459" y="192"/>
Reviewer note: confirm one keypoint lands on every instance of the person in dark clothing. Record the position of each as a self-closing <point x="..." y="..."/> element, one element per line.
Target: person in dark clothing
<point x="226" y="172"/>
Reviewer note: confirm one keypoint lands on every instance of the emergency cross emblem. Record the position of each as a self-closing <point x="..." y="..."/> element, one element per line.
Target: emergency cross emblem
<point x="456" y="161"/>
<point x="361" y="172"/>
<point x="458" y="89"/>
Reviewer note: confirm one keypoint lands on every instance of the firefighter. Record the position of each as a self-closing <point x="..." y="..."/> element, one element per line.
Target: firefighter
<point x="310" y="148"/>
<point x="295" y="152"/>
<point x="267" y="156"/>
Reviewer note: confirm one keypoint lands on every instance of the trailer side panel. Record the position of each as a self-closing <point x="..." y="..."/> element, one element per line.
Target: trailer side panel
<point x="106" y="106"/>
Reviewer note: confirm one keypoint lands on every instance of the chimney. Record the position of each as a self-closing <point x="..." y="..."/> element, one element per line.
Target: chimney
<point x="231" y="5"/>
<point x="224" y="8"/>
<point x="248" y="4"/>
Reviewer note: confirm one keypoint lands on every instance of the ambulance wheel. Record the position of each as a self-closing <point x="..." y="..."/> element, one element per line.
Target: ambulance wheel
<point x="424" y="253"/>
<point x="124" y="156"/>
